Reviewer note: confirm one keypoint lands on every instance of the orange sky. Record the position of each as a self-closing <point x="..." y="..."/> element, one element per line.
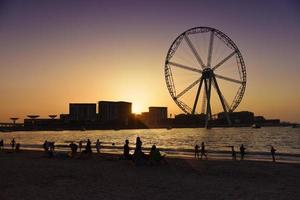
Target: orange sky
<point x="74" y="54"/>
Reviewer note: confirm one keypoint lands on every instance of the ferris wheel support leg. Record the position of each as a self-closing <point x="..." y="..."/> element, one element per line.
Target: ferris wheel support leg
<point x="222" y="101"/>
<point x="197" y="95"/>
<point x="208" y="108"/>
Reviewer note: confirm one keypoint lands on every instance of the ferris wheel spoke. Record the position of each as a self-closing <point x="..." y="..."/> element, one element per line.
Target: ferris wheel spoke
<point x="188" y="88"/>
<point x="224" y="60"/>
<point x="225" y="104"/>
<point x="210" y="48"/>
<point x="228" y="79"/>
<point x="222" y="99"/>
<point x="185" y="67"/>
<point x="188" y="41"/>
<point x="197" y="95"/>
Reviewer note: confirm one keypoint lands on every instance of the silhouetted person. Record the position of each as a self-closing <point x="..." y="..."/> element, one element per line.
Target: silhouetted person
<point x="139" y="157"/>
<point x="80" y="145"/>
<point x="1" y="144"/>
<point x="273" y="150"/>
<point x="138" y="145"/>
<point x="203" y="150"/>
<point x="98" y="146"/>
<point x="233" y="153"/>
<point x="126" y="150"/>
<point x="73" y="147"/>
<point x="46" y="146"/>
<point x="88" y="147"/>
<point x="242" y="150"/>
<point x="51" y="149"/>
<point x="196" y="151"/>
<point x="13" y="143"/>
<point x="18" y="147"/>
<point x="155" y="156"/>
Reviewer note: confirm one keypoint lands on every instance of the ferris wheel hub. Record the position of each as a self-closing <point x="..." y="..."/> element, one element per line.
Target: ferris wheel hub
<point x="207" y="73"/>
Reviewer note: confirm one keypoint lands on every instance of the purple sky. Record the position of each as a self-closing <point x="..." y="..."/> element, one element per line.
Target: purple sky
<point x="56" y="52"/>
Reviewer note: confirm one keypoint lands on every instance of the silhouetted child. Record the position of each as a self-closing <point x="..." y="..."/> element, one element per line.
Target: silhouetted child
<point x="273" y="150"/>
<point x="242" y="150"/>
<point x="98" y="146"/>
<point x="126" y="150"/>
<point x="13" y="143"/>
<point x="196" y="151"/>
<point x="203" y="150"/>
<point x="233" y="153"/>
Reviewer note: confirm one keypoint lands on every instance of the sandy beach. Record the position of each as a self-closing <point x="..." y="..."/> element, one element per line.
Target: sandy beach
<point x="31" y="175"/>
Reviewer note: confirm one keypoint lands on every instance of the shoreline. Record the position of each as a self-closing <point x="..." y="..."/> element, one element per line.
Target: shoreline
<point x="212" y="155"/>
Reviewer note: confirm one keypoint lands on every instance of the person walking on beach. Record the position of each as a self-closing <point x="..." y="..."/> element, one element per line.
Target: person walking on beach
<point x="98" y="146"/>
<point x="196" y="151"/>
<point x="1" y="144"/>
<point x="80" y="146"/>
<point x="273" y="150"/>
<point x="13" y="143"/>
<point x="203" y="150"/>
<point x="242" y="150"/>
<point x="233" y="153"/>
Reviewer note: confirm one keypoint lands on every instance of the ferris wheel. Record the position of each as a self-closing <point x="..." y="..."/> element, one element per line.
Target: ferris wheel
<point x="205" y="72"/>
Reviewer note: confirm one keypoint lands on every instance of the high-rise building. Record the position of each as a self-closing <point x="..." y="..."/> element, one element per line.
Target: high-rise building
<point x="112" y="111"/>
<point x="82" y="111"/>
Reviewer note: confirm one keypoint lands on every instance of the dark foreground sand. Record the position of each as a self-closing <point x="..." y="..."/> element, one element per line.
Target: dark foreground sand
<point x="30" y="175"/>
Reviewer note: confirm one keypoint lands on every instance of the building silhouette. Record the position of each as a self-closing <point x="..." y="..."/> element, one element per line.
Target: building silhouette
<point x="157" y="115"/>
<point x="114" y="111"/>
<point x="82" y="112"/>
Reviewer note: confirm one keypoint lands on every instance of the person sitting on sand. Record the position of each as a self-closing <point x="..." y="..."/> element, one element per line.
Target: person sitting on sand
<point x="233" y="153"/>
<point x="197" y="151"/>
<point x="203" y="150"/>
<point x="1" y="144"/>
<point x="155" y="156"/>
<point x="273" y="150"/>
<point x="13" y="143"/>
<point x="98" y="146"/>
<point x="242" y="151"/>
<point x="126" y="150"/>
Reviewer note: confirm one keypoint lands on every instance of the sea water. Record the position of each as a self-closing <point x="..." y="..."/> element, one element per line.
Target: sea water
<point x="284" y="139"/>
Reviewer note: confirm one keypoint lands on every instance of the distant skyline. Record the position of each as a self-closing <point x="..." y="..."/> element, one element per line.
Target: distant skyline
<point x="53" y="53"/>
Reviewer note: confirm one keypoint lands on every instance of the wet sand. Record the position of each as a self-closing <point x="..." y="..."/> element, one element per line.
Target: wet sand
<point x="31" y="175"/>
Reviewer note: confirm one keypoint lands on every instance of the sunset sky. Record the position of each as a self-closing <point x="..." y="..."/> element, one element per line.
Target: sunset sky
<point x="56" y="52"/>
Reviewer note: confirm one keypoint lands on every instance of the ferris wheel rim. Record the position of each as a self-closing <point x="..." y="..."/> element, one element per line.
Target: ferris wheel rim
<point x="228" y="42"/>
